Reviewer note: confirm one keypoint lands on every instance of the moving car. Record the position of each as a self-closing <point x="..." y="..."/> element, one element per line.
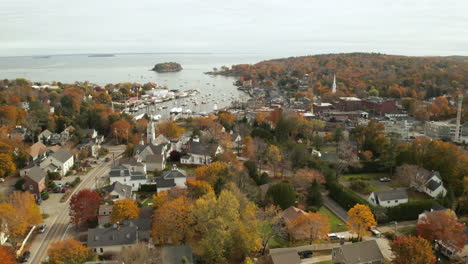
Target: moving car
<point x="42" y="228"/>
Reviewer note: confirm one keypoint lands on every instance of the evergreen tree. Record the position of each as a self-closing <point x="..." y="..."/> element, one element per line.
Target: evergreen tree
<point x="314" y="196"/>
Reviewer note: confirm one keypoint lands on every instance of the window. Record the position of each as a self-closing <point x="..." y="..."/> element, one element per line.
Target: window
<point x="388" y="202"/>
<point x="396" y="201"/>
<point x="31" y="187"/>
<point x="102" y="250"/>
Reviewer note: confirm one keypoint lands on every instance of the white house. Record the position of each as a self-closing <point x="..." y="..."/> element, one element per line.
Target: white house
<point x="62" y="159"/>
<point x="124" y="176"/>
<point x="199" y="153"/>
<point x="429" y="182"/>
<point x="118" y="191"/>
<point x="44" y="136"/>
<point x="154" y="156"/>
<point x="388" y="198"/>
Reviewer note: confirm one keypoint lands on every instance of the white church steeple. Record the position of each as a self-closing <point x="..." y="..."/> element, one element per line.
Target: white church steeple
<point x="334" y="84"/>
<point x="150" y="131"/>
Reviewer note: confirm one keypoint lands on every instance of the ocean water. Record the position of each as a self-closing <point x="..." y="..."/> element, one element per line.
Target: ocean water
<point x="217" y="91"/>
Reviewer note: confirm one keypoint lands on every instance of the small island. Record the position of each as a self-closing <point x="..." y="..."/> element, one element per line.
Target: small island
<point x="167" y="67"/>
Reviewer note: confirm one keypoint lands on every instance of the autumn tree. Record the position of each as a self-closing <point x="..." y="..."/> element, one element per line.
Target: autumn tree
<point x="304" y="178"/>
<point x="406" y="174"/>
<point x="84" y="206"/>
<point x="121" y="129"/>
<point x="271" y="225"/>
<point x="6" y="256"/>
<point x="69" y="251"/>
<point x="273" y="157"/>
<point x="224" y="225"/>
<point x="226" y="119"/>
<point x="170" y="130"/>
<point x="172" y="222"/>
<point x="314" y="226"/>
<point x="282" y="194"/>
<point x="346" y="157"/>
<point x="123" y="210"/>
<point x="443" y="226"/>
<point x="139" y="253"/>
<point x="7" y="166"/>
<point x="412" y="250"/>
<point x="159" y="199"/>
<point x="360" y="217"/>
<point x="197" y="188"/>
<point x="19" y="212"/>
<point x="8" y="115"/>
<point x="248" y="150"/>
<point x="214" y="174"/>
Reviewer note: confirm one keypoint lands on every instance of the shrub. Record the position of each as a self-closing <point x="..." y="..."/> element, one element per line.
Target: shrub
<point x="44" y="195"/>
<point x="361" y="186"/>
<point x="408" y="211"/>
<point x="389" y="235"/>
<point x="283" y="194"/>
<point x="345" y="197"/>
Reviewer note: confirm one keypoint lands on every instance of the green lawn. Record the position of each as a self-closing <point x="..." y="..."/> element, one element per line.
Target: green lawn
<point x="336" y="224"/>
<point x="324" y="262"/>
<point x="407" y="230"/>
<point x="366" y="176"/>
<point x="148" y="202"/>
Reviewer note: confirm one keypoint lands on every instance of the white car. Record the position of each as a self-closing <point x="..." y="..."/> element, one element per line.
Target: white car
<point x="334" y="236"/>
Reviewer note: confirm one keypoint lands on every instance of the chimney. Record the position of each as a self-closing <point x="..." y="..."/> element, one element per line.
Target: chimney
<point x="174" y="167"/>
<point x="296" y="204"/>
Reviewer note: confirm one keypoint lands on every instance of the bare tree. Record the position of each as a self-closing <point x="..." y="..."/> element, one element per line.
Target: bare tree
<point x="141" y="253"/>
<point x="346" y="157"/>
<point x="411" y="175"/>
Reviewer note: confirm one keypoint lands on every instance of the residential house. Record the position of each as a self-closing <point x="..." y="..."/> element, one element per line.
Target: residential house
<point x="161" y="139"/>
<point x="367" y="252"/>
<point x="436" y="207"/>
<point x="171" y="178"/>
<point x="388" y="198"/>
<point x="37" y="151"/>
<point x="133" y="164"/>
<point x="63" y="137"/>
<point x="236" y="140"/>
<point x="19" y="132"/>
<point x="119" y="191"/>
<point x="429" y="182"/>
<point x="90" y="146"/>
<point x="104" y="213"/>
<point x="198" y="153"/>
<point x="284" y="256"/>
<point x="154" y="156"/>
<point x="34" y="181"/>
<point x="114" y="239"/>
<point x="181" y="254"/>
<point x="290" y="214"/>
<point x="44" y="136"/>
<point x="124" y="176"/>
<point x="61" y="161"/>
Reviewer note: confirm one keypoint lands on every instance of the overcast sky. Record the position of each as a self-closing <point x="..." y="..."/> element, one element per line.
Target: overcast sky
<point x="287" y="27"/>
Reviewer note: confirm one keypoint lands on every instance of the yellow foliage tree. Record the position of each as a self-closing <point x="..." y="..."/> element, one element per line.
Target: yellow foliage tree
<point x="360" y="217"/>
<point x="7" y="166"/>
<point x="123" y="210"/>
<point x="69" y="251"/>
<point x="170" y="129"/>
<point x="159" y="199"/>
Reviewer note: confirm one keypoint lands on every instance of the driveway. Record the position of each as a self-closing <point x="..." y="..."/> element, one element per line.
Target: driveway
<point x="335" y="208"/>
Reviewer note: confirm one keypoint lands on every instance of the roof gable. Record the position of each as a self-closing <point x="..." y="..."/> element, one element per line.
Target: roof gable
<point x="361" y="252"/>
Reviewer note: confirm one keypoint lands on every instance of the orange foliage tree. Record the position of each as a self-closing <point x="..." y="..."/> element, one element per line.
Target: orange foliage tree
<point x="6" y="256"/>
<point x="312" y="226"/>
<point x="197" y="189"/>
<point x="360" y="217"/>
<point x="8" y="115"/>
<point x="211" y="173"/>
<point x="443" y="226"/>
<point x="84" y="206"/>
<point x="123" y="210"/>
<point x="226" y="118"/>
<point x="172" y="222"/>
<point x="412" y="250"/>
<point x="248" y="150"/>
<point x="69" y="251"/>
<point x="7" y="166"/>
<point x="305" y="177"/>
<point x="170" y="129"/>
<point x="121" y="129"/>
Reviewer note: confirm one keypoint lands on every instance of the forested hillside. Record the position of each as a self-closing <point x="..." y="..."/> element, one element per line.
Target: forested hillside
<point x="361" y="73"/>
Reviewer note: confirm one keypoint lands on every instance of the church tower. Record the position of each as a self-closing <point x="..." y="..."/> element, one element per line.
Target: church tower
<point x="334" y="84"/>
<point x="150" y="131"/>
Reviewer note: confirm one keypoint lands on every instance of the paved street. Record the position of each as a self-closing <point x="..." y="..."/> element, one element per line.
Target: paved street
<point x="335" y="208"/>
<point x="58" y="221"/>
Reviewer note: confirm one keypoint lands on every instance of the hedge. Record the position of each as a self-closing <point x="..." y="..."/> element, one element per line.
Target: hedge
<point x="345" y="197"/>
<point x="408" y="211"/>
<point x="148" y="188"/>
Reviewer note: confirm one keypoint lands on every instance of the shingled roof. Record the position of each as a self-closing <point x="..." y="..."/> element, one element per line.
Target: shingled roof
<point x="362" y="252"/>
<point x="102" y="237"/>
<point x="388" y="195"/>
<point x="62" y="155"/>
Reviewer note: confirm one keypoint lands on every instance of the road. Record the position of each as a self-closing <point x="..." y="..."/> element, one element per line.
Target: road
<point x="335" y="208"/>
<point x="61" y="222"/>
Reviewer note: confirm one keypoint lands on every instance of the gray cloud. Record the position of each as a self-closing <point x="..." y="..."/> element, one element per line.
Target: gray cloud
<point x="294" y="27"/>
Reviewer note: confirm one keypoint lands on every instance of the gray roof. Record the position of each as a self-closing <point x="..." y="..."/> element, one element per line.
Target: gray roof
<point x="122" y="189"/>
<point x="388" y="195"/>
<point x="137" y="176"/>
<point x="119" y="171"/>
<point x="143" y="226"/>
<point x="101" y="237"/>
<point x="36" y="174"/>
<point x="361" y="252"/>
<point x="433" y="185"/>
<point x="62" y="155"/>
<point x="46" y="133"/>
<point x="154" y="158"/>
<point x="164" y="183"/>
<point x="199" y="148"/>
<point x="155" y="149"/>
<point x="174" y="173"/>
<point x="437" y="207"/>
<point x="285" y="256"/>
<point x="175" y="254"/>
<point x="130" y="161"/>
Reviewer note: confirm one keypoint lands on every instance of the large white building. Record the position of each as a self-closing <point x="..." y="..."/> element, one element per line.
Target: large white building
<point x="124" y="176"/>
<point x="60" y="161"/>
<point x="388" y="198"/>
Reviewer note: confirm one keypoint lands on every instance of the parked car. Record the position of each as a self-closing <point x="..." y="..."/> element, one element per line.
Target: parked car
<point x="42" y="228"/>
<point x="384" y="179"/>
<point x="25" y="256"/>
<point x="2" y="180"/>
<point x="305" y="254"/>
<point x="59" y="185"/>
<point x="63" y="190"/>
<point x="107" y="159"/>
<point x="333" y="236"/>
